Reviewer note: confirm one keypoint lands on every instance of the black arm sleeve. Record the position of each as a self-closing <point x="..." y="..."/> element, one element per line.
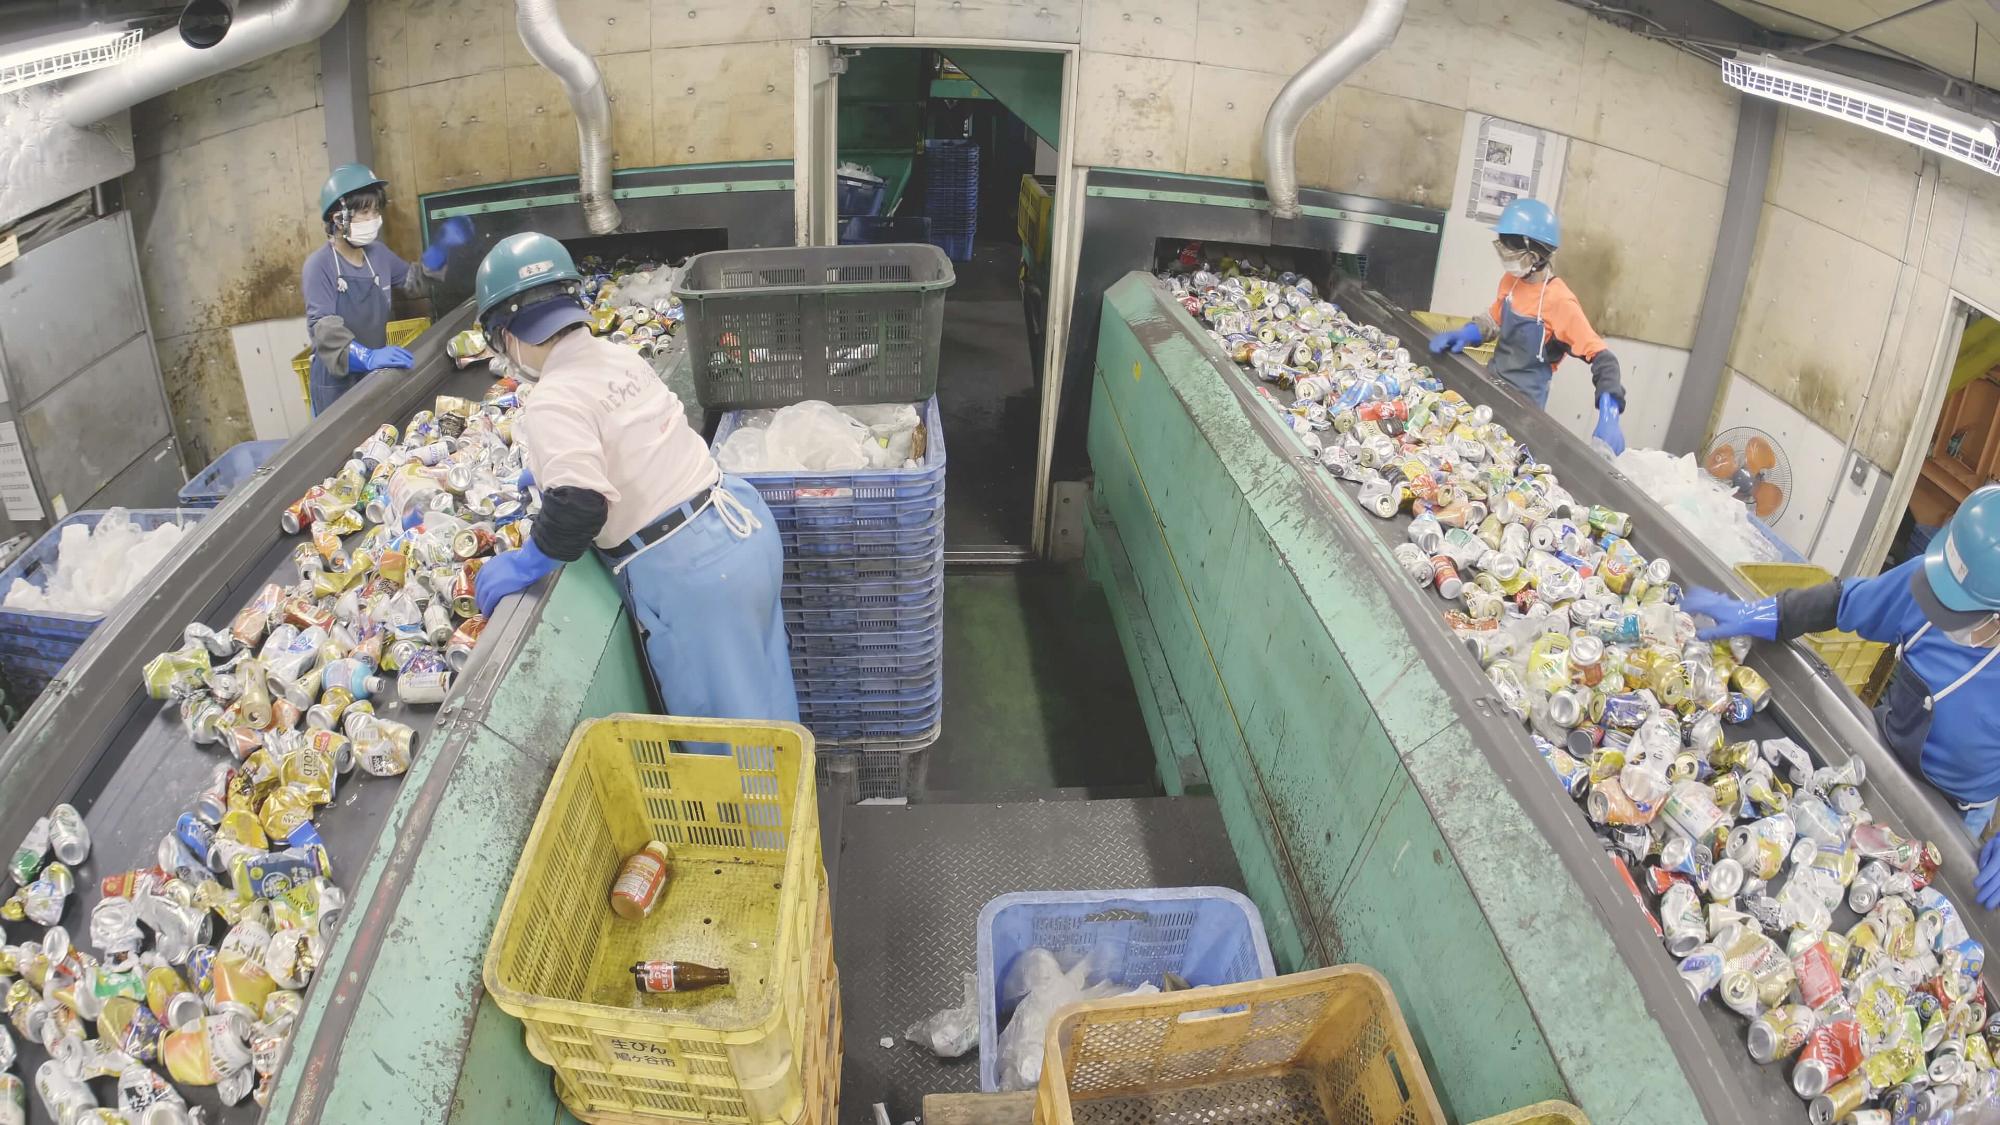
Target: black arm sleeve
<point x="1605" y="376"/>
<point x="1813" y="609"/>
<point x="570" y="519"/>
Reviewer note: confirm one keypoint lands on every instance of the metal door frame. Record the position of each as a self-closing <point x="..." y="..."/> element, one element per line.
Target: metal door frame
<point x="1067" y="214"/>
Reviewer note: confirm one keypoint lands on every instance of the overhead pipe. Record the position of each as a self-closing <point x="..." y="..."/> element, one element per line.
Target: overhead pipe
<point x="164" y="62"/>
<point x="543" y="34"/>
<point x="1377" y="28"/>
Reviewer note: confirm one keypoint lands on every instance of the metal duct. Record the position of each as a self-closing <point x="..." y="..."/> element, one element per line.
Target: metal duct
<point x="164" y="62"/>
<point x="543" y="34"/>
<point x="1377" y="29"/>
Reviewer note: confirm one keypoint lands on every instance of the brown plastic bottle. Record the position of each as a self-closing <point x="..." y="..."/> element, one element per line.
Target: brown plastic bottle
<point x="676" y="976"/>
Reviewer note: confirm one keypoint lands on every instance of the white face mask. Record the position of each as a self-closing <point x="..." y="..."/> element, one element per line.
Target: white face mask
<point x="361" y="232"/>
<point x="515" y="366"/>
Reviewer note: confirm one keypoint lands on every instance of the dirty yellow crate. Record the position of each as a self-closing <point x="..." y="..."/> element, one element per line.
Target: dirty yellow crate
<point x="1325" y="1045"/>
<point x="401" y="334"/>
<point x="1862" y="665"/>
<point x="1031" y="218"/>
<point x="1444" y="322"/>
<point x="745" y="891"/>
<point x="1541" y="1113"/>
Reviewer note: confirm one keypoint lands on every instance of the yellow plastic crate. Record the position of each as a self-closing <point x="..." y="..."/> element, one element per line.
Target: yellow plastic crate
<point x="1032" y="211"/>
<point x="1325" y="1045"/>
<point x="1862" y="665"/>
<point x="742" y="893"/>
<point x="401" y="334"/>
<point x="1444" y="322"/>
<point x="1541" y="1113"/>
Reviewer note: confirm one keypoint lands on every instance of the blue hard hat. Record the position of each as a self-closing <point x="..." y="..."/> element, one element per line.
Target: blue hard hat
<point x="1530" y="218"/>
<point x="1962" y="566"/>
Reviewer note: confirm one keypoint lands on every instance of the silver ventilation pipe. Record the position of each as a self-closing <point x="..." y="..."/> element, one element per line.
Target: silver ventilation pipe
<point x="542" y="33"/>
<point x="165" y="62"/>
<point x="1377" y="29"/>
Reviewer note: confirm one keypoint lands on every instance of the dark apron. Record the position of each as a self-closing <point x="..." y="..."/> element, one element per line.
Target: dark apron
<point x="363" y="304"/>
<point x="1903" y="718"/>
<point x="1518" y="352"/>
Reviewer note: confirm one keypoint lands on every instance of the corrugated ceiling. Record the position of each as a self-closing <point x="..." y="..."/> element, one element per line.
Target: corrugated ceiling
<point x="1942" y="37"/>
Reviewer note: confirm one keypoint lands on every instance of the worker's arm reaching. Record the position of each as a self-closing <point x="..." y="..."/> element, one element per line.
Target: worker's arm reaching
<point x="1874" y="607"/>
<point x="332" y="340"/>
<point x="429" y="270"/>
<point x="576" y="498"/>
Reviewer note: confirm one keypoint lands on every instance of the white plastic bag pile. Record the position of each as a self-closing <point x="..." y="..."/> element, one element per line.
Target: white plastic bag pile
<point x="95" y="568"/>
<point x="1704" y="507"/>
<point x="1041" y="985"/>
<point x="813" y="436"/>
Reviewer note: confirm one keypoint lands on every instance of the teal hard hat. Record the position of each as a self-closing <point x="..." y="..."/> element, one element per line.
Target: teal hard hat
<point x="523" y="272"/>
<point x="1962" y="565"/>
<point x="345" y="180"/>
<point x="1530" y="218"/>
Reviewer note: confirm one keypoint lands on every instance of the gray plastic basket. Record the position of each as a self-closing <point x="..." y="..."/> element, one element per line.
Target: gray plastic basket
<point x="843" y="324"/>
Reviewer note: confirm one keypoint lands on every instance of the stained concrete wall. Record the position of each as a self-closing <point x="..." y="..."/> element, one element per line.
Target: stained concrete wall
<point x="229" y="166"/>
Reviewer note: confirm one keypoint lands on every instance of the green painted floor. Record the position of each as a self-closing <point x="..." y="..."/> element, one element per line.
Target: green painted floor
<point x="1036" y="693"/>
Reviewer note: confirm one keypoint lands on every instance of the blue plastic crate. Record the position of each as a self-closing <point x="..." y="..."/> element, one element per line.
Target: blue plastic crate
<point x="873" y="645"/>
<point x="808" y="571"/>
<point x="882" y="230"/>
<point x="36" y="563"/>
<point x="833" y="666"/>
<point x="866" y="595"/>
<point x="863" y="543"/>
<point x="853" y="732"/>
<point x="833" y="490"/>
<point x="859" y="196"/>
<point x="828" y="517"/>
<point x="211" y="485"/>
<point x="900" y="619"/>
<point x="873" y="697"/>
<point x="1208" y="935"/>
<point x="957" y="247"/>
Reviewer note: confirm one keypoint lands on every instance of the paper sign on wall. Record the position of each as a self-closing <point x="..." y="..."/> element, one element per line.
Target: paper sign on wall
<point x="17" y="485"/>
<point x="1506" y="165"/>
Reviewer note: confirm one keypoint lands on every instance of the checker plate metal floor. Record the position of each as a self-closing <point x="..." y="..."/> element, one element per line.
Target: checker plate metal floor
<point x="912" y="880"/>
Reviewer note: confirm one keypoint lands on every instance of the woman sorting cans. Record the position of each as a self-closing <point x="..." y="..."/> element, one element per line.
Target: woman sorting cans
<point x="695" y="553"/>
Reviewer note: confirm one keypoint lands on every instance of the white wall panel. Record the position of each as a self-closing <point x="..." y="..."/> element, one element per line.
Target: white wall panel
<point x="1154" y="29"/>
<point x="1133" y="112"/>
<point x="1043" y="21"/>
<point x="1816" y="455"/>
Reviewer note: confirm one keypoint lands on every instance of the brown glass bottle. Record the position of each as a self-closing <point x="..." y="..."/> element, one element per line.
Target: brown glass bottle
<point x="676" y="976"/>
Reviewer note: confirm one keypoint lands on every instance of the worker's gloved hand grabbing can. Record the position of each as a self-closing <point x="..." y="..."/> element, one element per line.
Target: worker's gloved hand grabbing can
<point x="1609" y="437"/>
<point x="1457" y="340"/>
<point x="1731" y="618"/>
<point x="363" y="359"/>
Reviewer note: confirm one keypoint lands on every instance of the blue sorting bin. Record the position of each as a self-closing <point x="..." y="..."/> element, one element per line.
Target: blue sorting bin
<point x="211" y="485"/>
<point x="1208" y="935"/>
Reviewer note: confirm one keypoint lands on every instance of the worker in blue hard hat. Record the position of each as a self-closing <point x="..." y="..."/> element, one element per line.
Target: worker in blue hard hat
<point x="695" y="553"/>
<point x="1942" y="612"/>
<point x="347" y="282"/>
<point x="1536" y="320"/>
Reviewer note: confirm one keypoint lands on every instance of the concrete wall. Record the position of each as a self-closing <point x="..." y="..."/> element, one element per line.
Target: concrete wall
<point x="229" y="167"/>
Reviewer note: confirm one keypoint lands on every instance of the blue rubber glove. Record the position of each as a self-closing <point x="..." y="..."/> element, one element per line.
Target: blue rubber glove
<point x="1458" y="339"/>
<point x="527" y="480"/>
<point x="361" y="360"/>
<point x="1732" y="618"/>
<point x="452" y="234"/>
<point x="1986" y="884"/>
<point x="1608" y="430"/>
<point x="511" y="572"/>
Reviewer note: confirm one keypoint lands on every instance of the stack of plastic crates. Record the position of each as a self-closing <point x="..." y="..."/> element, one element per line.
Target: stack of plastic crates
<point x="864" y="603"/>
<point x="951" y="199"/>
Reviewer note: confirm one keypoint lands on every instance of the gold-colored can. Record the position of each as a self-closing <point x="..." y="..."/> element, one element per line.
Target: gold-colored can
<point x="1752" y="684"/>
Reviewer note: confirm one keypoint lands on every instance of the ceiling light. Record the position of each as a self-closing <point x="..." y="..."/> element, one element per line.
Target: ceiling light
<point x="1927" y="124"/>
<point x="62" y="55"/>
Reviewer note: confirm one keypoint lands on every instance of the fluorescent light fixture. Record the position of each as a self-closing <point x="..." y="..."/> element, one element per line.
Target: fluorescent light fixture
<point x="62" y="55"/>
<point x="1927" y="124"/>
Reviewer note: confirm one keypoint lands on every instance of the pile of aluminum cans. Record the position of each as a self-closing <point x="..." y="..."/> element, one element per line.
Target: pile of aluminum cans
<point x="196" y="960"/>
<point x="1769" y="881"/>
<point x="632" y="303"/>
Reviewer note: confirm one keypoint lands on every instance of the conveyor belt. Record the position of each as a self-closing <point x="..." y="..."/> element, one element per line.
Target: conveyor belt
<point x="124" y="760"/>
<point x="1808" y="705"/>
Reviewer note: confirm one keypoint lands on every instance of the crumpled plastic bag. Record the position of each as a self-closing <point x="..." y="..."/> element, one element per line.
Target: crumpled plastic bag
<point x="951" y="1032"/>
<point x="1044" y="988"/>
<point x="95" y="568"/>
<point x="816" y="436"/>
<point x="744" y="451"/>
<point x="1705" y="507"/>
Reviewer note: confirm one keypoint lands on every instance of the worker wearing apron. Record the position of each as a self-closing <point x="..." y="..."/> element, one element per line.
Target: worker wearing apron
<point x="347" y="282"/>
<point x="695" y="553"/>
<point x="1536" y="321"/>
<point x="1942" y="612"/>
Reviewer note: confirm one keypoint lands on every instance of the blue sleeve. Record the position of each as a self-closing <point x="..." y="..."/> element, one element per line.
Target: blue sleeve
<point x="399" y="270"/>
<point x="1880" y="608"/>
<point x="316" y="282"/>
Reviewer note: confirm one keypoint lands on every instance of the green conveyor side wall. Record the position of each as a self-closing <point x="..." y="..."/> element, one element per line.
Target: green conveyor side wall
<point x="1370" y="826"/>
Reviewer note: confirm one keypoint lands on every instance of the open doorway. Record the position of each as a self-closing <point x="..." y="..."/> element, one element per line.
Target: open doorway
<point x="1963" y="452"/>
<point x="958" y="146"/>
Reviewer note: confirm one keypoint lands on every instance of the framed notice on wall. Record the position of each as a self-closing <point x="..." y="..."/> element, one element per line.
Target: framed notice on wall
<point x="1506" y="165"/>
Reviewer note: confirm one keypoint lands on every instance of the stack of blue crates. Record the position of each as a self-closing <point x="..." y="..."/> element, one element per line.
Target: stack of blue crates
<point x="951" y="197"/>
<point x="864" y="595"/>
